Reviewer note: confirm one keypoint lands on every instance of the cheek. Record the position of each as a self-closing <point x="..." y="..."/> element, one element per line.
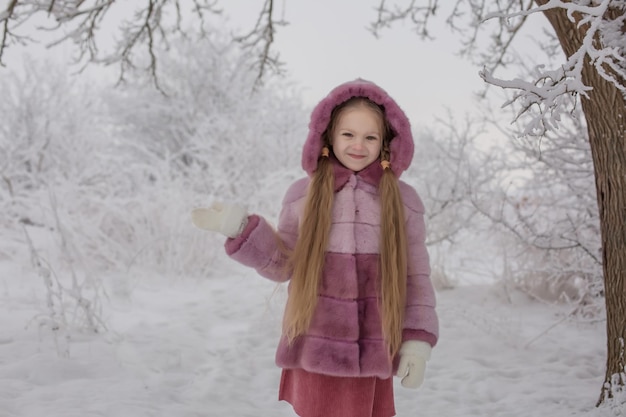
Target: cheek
<point x="338" y="144"/>
<point x="375" y="148"/>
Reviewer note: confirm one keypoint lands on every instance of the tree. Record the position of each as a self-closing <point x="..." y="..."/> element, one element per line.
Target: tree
<point x="591" y="34"/>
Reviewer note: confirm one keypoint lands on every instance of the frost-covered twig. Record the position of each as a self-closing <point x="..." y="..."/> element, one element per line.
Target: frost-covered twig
<point x="545" y="93"/>
<point x="419" y="16"/>
<point x="260" y="40"/>
<point x="603" y="45"/>
<point x="81" y="23"/>
<point x="83" y="307"/>
<point x="549" y="328"/>
<point x="55" y="317"/>
<point x="570" y="6"/>
<point x="67" y="308"/>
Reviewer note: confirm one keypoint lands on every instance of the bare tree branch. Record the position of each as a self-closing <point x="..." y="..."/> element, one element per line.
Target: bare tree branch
<point x="603" y="45"/>
<point x="6" y="33"/>
<point x="545" y="93"/>
<point x="262" y="35"/>
<point x="83" y="21"/>
<point x="418" y="15"/>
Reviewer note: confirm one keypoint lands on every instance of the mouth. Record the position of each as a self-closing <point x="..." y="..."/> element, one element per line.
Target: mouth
<point x="356" y="156"/>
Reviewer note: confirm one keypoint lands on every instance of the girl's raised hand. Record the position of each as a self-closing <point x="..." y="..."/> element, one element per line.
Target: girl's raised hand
<point x="413" y="357"/>
<point x="227" y="219"/>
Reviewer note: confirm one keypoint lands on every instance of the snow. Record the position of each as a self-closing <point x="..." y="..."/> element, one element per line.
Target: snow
<point x="185" y="344"/>
<point x="204" y="346"/>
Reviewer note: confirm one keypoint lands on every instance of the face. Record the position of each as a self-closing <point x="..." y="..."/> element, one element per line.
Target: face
<point x="357" y="137"/>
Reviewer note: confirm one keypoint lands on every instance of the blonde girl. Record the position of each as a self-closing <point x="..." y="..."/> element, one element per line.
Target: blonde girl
<point x="350" y="241"/>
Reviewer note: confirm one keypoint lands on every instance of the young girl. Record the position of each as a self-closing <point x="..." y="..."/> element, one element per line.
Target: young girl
<point x="350" y="240"/>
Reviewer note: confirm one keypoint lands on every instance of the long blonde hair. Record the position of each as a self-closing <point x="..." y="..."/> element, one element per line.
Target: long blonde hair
<point x="306" y="261"/>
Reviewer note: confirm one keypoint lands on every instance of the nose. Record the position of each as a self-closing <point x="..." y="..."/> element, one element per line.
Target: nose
<point x="358" y="143"/>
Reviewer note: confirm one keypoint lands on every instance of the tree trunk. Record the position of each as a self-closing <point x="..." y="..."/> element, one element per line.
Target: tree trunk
<point x="605" y="113"/>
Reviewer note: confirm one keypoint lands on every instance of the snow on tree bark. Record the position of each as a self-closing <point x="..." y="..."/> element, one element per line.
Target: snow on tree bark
<point x="605" y="112"/>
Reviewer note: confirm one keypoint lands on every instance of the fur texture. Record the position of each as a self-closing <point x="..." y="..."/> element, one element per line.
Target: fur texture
<point x="345" y="337"/>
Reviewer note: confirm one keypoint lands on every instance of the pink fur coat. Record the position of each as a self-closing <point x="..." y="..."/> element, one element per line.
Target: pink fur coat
<point x="345" y="337"/>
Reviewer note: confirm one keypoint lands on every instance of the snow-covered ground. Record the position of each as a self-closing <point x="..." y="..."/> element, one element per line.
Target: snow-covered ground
<point x="191" y="347"/>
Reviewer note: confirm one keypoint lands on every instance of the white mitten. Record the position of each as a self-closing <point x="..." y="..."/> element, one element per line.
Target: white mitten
<point x="413" y="357"/>
<point x="227" y="219"/>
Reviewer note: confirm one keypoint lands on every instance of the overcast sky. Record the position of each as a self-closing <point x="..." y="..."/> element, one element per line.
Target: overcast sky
<point x="326" y="43"/>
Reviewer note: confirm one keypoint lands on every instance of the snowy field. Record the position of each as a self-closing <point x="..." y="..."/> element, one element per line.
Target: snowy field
<point x="103" y="178"/>
<point x="190" y="347"/>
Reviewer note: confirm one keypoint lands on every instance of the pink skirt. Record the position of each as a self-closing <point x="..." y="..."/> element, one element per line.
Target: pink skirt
<point x="316" y="395"/>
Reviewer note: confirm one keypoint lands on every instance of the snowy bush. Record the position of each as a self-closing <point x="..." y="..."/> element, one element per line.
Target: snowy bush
<point x="98" y="182"/>
<point x="519" y="210"/>
<point x="48" y="148"/>
<point x="542" y="196"/>
<point x="207" y="137"/>
<point x="128" y="165"/>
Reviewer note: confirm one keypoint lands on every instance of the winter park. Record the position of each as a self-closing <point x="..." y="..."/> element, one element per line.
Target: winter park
<point x="118" y="120"/>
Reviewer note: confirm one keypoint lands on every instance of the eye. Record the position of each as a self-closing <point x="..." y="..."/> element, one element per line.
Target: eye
<point x="372" y="138"/>
<point x="347" y="134"/>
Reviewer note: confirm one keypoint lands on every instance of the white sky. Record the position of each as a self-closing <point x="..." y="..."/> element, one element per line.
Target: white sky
<point x="327" y="43"/>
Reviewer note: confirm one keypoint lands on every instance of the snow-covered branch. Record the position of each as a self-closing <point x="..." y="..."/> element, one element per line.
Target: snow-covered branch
<point x="85" y="24"/>
<point x="601" y="25"/>
<point x="547" y="93"/>
<point x="570" y="6"/>
<point x="260" y="40"/>
<point x="545" y="90"/>
<point x="417" y="14"/>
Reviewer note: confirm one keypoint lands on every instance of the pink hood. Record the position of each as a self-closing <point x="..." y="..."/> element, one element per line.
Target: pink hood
<point x="402" y="147"/>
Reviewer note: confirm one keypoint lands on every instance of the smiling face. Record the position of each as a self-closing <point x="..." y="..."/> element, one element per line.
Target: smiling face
<point x="357" y="137"/>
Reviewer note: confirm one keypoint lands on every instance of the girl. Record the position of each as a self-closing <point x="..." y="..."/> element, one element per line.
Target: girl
<point x="350" y="240"/>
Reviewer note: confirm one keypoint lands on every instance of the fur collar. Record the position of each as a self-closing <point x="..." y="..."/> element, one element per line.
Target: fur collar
<point x="371" y="174"/>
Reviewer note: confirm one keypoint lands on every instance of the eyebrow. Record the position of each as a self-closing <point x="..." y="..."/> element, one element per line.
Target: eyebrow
<point x="373" y="132"/>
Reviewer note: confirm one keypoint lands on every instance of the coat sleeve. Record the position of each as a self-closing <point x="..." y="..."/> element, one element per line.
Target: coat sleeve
<point x="261" y="247"/>
<point x="421" y="321"/>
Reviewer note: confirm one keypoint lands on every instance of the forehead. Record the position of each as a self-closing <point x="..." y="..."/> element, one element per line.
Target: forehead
<point x="360" y="113"/>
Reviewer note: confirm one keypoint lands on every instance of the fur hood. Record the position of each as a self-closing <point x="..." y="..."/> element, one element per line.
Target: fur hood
<point x="401" y="147"/>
